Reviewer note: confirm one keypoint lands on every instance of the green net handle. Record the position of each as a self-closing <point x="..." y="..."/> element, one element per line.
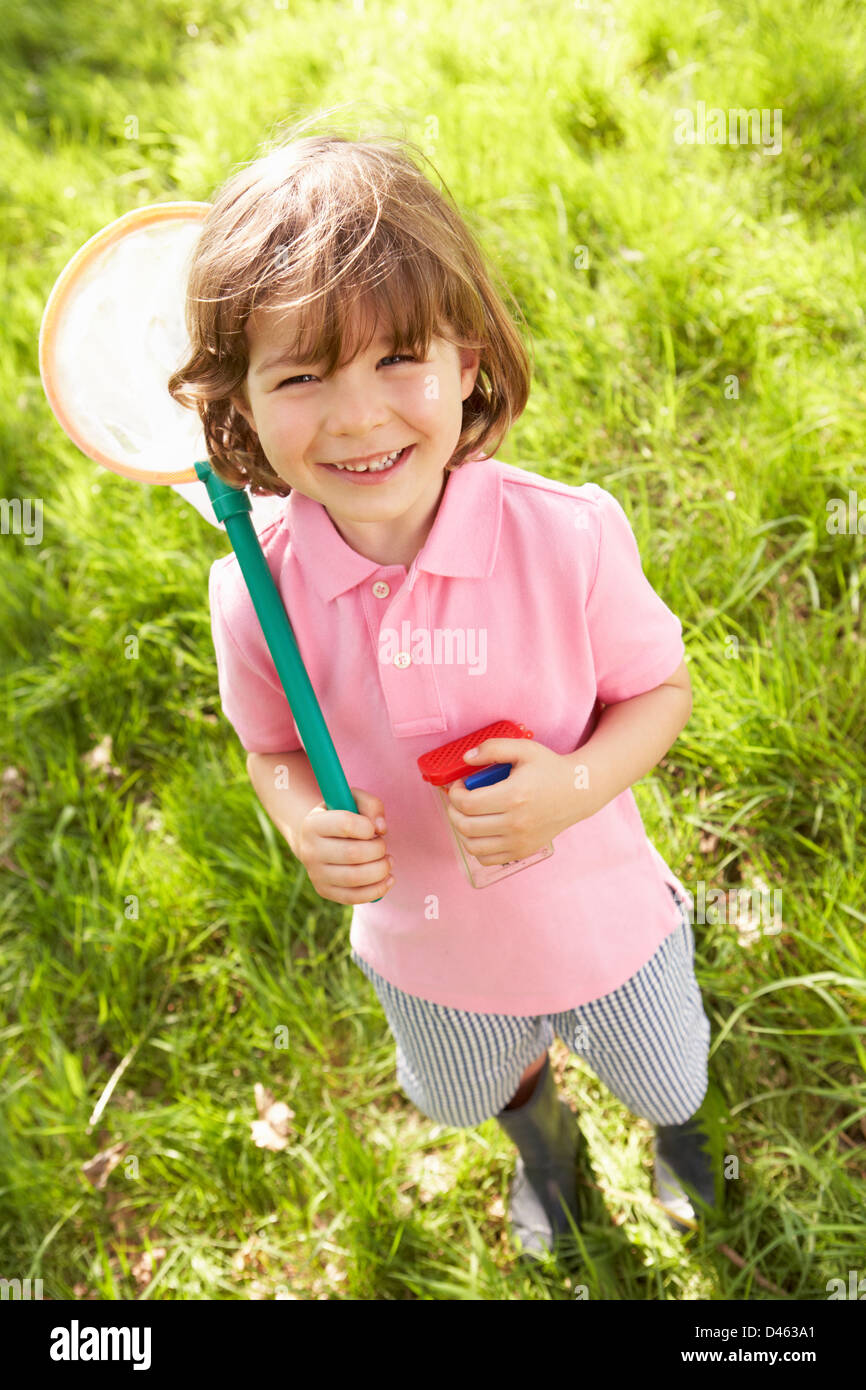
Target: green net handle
<point x="232" y="507"/>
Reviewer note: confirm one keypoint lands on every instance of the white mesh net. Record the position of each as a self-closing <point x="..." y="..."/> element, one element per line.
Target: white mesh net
<point x="119" y="337"/>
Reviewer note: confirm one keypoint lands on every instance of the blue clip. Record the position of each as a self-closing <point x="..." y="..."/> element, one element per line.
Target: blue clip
<point x="486" y="776"/>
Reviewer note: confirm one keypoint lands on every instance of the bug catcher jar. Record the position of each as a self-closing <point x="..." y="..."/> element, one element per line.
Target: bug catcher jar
<point x="445" y="765"/>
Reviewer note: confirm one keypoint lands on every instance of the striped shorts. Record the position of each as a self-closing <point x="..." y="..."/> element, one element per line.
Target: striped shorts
<point x="648" y="1041"/>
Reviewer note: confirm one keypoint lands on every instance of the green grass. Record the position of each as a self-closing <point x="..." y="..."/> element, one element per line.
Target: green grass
<point x="150" y="912"/>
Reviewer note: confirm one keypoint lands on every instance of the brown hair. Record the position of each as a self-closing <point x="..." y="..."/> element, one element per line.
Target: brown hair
<point x="329" y="221"/>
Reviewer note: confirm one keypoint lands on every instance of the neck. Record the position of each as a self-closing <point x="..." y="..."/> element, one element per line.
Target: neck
<point x="395" y="542"/>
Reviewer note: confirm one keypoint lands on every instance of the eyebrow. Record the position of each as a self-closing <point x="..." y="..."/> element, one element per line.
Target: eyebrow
<point x="285" y="358"/>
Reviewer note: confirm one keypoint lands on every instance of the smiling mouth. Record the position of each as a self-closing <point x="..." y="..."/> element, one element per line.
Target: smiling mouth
<point x="384" y="463"/>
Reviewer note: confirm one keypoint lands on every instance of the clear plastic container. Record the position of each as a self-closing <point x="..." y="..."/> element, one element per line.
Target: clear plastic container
<point x="443" y="766"/>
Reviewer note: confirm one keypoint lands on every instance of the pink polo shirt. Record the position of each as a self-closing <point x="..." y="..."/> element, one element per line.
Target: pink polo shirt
<point x="542" y="584"/>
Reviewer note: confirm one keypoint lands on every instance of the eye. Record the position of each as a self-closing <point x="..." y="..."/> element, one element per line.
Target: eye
<point x="289" y="379"/>
<point x="397" y="357"/>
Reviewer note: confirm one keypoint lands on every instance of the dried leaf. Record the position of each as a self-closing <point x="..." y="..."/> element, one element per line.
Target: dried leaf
<point x="100" y="758"/>
<point x="432" y="1175"/>
<point x="97" y="1169"/>
<point x="143" y="1267"/>
<point x="271" y="1129"/>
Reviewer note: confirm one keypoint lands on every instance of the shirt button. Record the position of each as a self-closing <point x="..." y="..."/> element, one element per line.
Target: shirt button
<point x="381" y="589"/>
<point x="402" y="659"/>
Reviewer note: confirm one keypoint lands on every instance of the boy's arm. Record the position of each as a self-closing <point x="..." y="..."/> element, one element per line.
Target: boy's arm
<point x="286" y="795"/>
<point x="630" y="738"/>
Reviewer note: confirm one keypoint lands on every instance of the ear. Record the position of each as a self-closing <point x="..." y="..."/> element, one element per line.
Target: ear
<point x="242" y="406"/>
<point x="470" y="361"/>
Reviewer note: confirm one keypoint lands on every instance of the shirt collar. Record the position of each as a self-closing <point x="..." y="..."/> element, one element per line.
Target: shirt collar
<point x="462" y="543"/>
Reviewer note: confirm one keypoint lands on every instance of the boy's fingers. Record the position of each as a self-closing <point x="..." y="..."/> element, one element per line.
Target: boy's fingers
<point x="342" y="851"/>
<point x="357" y="875"/>
<point x="344" y="824"/>
<point x="371" y="807"/>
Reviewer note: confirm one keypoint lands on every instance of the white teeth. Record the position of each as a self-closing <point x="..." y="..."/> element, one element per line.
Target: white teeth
<point x="385" y="462"/>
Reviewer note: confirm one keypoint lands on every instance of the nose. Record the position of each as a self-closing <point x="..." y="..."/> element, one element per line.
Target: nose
<point x="358" y="409"/>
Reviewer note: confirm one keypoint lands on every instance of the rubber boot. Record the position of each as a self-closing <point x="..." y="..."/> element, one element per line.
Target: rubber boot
<point x="682" y="1156"/>
<point x="545" y="1133"/>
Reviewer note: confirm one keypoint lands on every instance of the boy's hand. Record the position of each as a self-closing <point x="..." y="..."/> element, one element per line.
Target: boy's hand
<point x="345" y="854"/>
<point x="541" y="796"/>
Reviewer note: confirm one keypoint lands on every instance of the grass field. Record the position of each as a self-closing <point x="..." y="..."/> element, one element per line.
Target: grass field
<point x="703" y="360"/>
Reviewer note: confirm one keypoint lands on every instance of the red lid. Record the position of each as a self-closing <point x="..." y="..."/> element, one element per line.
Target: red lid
<point x="445" y="763"/>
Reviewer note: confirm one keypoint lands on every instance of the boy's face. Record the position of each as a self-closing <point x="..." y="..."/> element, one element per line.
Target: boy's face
<point x="369" y="407"/>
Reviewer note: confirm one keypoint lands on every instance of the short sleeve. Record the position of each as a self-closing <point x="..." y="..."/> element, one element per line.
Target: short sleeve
<point x="251" y="694"/>
<point x="636" y="639"/>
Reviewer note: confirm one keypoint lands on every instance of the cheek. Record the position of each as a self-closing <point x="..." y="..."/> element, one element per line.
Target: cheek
<point x="285" y="428"/>
<point x="432" y="400"/>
